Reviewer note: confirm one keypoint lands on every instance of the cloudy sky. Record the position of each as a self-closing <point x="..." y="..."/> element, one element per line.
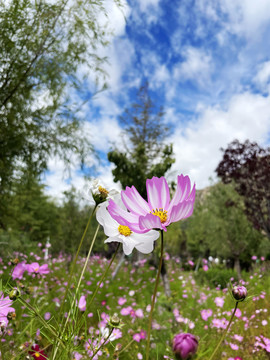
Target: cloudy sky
<point x="207" y="63"/>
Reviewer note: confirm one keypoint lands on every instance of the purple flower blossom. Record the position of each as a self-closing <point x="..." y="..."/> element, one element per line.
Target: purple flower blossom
<point x="160" y="211"/>
<point x="184" y="345"/>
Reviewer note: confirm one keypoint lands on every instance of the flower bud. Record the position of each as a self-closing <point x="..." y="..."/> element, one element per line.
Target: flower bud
<point x="14" y="294"/>
<point x="114" y="320"/>
<point x="14" y="261"/>
<point x="239" y="293"/>
<point x="184" y="345"/>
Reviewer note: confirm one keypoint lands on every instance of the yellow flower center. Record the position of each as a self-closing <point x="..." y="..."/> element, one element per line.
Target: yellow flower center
<point x="162" y="214"/>
<point x="103" y="191"/>
<point x="37" y="354"/>
<point x="124" y="230"/>
<point x="36" y="269"/>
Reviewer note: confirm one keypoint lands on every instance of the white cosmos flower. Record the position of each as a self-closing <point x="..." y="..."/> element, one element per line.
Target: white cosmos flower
<point x="120" y="233"/>
<point x="97" y="192"/>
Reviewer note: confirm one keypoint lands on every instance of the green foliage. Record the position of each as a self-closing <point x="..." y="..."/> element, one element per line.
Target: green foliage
<point x="220" y="227"/>
<point x="216" y="276"/>
<point x="146" y="154"/>
<point x="43" y="44"/>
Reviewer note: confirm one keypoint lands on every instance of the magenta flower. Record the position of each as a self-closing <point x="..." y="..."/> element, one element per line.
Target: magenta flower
<point x="185" y="345"/>
<point x="18" y="271"/>
<point x="160" y="211"/>
<point x="5" y="308"/>
<point x="36" y="269"/>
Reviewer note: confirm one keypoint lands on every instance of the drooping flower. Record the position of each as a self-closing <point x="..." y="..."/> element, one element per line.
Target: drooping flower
<point x="36" y="269"/>
<point x="97" y="193"/>
<point x="185" y="345"/>
<point x="121" y="233"/>
<point x="159" y="211"/>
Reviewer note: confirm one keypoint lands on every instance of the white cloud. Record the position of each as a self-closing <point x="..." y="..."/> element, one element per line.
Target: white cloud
<point x="262" y="77"/>
<point x="196" y="66"/>
<point x="197" y="147"/>
<point x="103" y="133"/>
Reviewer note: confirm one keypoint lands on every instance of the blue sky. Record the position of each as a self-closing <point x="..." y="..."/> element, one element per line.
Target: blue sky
<point x="207" y="63"/>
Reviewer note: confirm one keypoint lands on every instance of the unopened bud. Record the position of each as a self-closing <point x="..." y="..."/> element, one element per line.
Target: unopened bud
<point x="184" y="345"/>
<point x="14" y="261"/>
<point x="114" y="320"/>
<point x="14" y="294"/>
<point x="11" y="316"/>
<point x="239" y="293"/>
<point x="118" y="347"/>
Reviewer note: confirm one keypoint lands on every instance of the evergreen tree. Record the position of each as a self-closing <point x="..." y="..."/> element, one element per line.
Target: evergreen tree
<point x="146" y="153"/>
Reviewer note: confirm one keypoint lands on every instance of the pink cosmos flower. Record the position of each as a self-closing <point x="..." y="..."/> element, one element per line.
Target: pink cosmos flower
<point x="36" y="269"/>
<point x="219" y="301"/>
<point x="82" y="303"/>
<point x="18" y="271"/>
<point x="5" y="308"/>
<point x="160" y="211"/>
<point x="205" y="314"/>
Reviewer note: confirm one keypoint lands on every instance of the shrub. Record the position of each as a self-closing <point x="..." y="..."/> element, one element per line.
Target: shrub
<point x="216" y="276"/>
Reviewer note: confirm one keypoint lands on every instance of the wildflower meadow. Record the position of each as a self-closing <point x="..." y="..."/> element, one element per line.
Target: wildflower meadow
<point x="68" y="306"/>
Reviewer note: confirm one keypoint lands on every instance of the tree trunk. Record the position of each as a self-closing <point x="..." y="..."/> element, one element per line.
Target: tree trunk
<point x="118" y="267"/>
<point x="237" y="267"/>
<point x="165" y="280"/>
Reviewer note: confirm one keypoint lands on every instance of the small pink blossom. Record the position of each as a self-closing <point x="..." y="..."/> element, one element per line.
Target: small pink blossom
<point x="82" y="303"/>
<point x="36" y="269"/>
<point x="205" y="314"/>
<point x="219" y="301"/>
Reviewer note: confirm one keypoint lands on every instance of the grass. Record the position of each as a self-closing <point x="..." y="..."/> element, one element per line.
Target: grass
<point x="130" y="294"/>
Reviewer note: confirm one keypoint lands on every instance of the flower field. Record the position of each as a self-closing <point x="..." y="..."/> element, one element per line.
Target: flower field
<point x="193" y="308"/>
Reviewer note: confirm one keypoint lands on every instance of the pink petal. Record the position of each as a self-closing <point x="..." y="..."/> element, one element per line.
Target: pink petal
<point x="182" y="191"/>
<point x="158" y="193"/>
<point x="124" y="217"/>
<point x="150" y="222"/>
<point x="180" y="211"/>
<point x="134" y="202"/>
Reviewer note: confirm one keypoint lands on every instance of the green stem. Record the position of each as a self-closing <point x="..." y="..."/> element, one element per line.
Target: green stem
<point x="154" y="298"/>
<point x="225" y="332"/>
<point x="80" y="280"/>
<point x="75" y="260"/>
<point x="46" y="325"/>
<point x="102" y="344"/>
<point x="104" y="275"/>
<point x="126" y="347"/>
<point x="1" y="348"/>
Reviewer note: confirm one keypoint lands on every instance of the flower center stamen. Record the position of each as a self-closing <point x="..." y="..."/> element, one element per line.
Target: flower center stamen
<point x="162" y="214"/>
<point x="37" y="354"/>
<point x="103" y="191"/>
<point x="124" y="230"/>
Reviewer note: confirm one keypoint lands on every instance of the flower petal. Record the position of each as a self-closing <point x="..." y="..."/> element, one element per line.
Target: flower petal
<point x="158" y="193"/>
<point x="147" y="244"/>
<point x="181" y="211"/>
<point x="150" y="221"/>
<point x="134" y="202"/>
<point x="124" y="217"/>
<point x="182" y="191"/>
<point x="103" y="216"/>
